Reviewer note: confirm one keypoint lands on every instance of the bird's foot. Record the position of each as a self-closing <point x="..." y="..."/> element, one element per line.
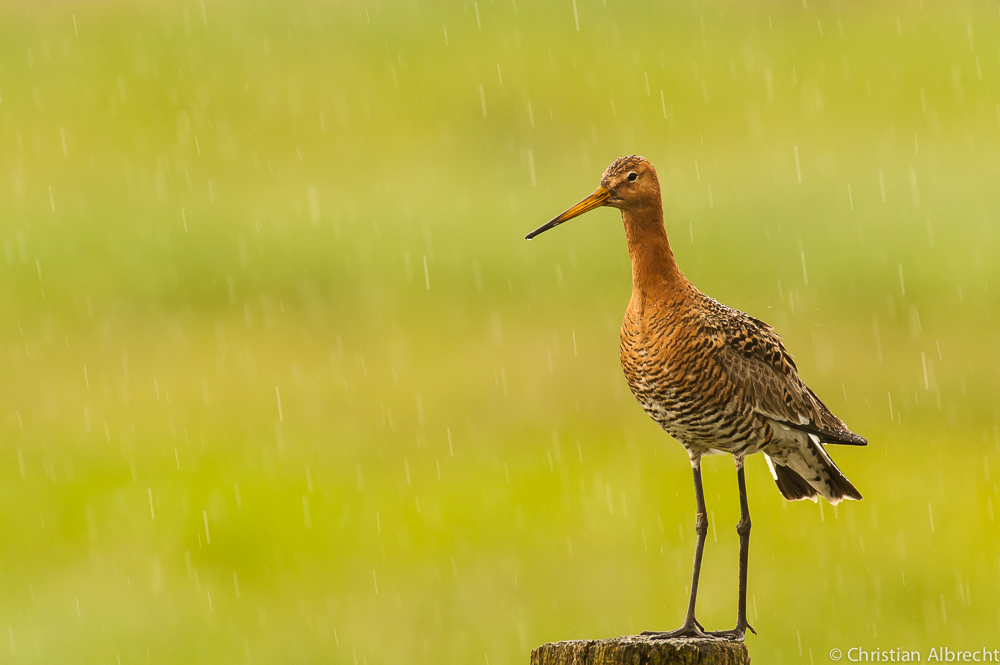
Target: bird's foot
<point x="691" y="628"/>
<point x="734" y="635"/>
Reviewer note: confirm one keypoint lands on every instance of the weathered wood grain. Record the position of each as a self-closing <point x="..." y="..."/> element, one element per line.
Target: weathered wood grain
<point x="638" y="650"/>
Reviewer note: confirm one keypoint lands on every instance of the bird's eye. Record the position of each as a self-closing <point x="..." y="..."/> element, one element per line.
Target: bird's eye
<point x="632" y="177"/>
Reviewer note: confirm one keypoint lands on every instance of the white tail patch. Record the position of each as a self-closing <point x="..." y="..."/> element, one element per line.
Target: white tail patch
<point x="770" y="466"/>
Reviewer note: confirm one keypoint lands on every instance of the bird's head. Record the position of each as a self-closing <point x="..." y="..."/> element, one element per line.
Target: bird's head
<point x="630" y="182"/>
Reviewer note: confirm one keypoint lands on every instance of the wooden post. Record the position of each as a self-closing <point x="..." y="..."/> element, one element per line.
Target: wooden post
<point x="638" y="650"/>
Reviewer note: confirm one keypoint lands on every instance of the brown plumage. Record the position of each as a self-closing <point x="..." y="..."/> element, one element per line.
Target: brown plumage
<point x="714" y="378"/>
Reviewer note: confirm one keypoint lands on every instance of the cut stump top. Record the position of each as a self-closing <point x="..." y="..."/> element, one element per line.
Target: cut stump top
<point x="639" y="650"/>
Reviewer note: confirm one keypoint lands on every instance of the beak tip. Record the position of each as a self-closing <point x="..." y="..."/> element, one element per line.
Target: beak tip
<point x="595" y="200"/>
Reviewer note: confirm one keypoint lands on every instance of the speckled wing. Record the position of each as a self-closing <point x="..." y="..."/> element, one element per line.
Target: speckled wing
<point x="753" y="358"/>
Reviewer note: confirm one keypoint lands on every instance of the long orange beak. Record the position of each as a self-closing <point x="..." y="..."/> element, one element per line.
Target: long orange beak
<point x="595" y="200"/>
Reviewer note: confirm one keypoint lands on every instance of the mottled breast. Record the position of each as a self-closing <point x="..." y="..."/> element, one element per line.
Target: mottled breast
<point x="669" y="353"/>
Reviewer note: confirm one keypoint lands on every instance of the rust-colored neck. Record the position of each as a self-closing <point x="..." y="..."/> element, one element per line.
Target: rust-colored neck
<point x="655" y="275"/>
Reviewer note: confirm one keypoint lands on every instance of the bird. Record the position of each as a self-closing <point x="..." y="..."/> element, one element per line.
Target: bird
<point x="716" y="379"/>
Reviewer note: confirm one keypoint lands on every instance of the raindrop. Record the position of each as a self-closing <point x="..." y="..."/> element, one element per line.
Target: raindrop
<point x="915" y="327"/>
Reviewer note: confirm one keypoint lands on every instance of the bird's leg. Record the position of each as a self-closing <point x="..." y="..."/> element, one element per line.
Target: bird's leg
<point x="691" y="627"/>
<point x="742" y="528"/>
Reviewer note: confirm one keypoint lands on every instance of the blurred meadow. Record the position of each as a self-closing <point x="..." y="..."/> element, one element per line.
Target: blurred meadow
<point x="283" y="382"/>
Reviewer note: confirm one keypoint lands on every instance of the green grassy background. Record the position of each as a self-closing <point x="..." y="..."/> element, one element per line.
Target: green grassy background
<point x="206" y="205"/>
